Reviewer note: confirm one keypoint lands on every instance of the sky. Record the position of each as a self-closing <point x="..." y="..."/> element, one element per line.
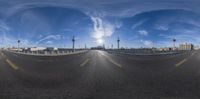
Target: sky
<point x="138" y="23"/>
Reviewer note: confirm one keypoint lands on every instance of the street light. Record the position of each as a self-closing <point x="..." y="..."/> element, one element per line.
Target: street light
<point x="73" y="41"/>
<point x="18" y="41"/>
<point x="174" y="41"/>
<point x="118" y="40"/>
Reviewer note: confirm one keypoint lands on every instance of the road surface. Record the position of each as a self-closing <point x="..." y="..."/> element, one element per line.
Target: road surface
<point x="100" y="75"/>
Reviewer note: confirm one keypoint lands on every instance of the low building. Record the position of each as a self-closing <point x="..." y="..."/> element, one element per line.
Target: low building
<point x="196" y="47"/>
<point x="37" y="48"/>
<point x="16" y="49"/>
<point x="186" y="46"/>
<point x="98" y="48"/>
<point x="49" y="49"/>
<point x="165" y="49"/>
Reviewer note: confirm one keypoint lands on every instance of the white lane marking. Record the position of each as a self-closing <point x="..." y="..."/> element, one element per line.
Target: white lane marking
<point x="115" y="63"/>
<point x="111" y="60"/>
<point x="2" y="54"/>
<point x="85" y="62"/>
<point x="184" y="60"/>
<point x="181" y="62"/>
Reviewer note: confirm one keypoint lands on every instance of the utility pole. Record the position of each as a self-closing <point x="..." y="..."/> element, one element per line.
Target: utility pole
<point x="118" y="40"/>
<point x="73" y="41"/>
<point x="18" y="41"/>
<point x="104" y="46"/>
<point x="174" y="43"/>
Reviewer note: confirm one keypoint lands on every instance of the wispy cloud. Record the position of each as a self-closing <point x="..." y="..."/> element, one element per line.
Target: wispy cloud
<point x="138" y="24"/>
<point x="49" y="42"/>
<point x="147" y="43"/>
<point x="54" y="37"/>
<point x="143" y="32"/>
<point x="162" y="27"/>
<point x="102" y="28"/>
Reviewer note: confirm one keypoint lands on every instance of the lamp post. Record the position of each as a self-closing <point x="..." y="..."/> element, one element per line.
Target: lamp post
<point x="118" y="40"/>
<point x="112" y="46"/>
<point x="174" y="43"/>
<point x="18" y="41"/>
<point x="73" y="41"/>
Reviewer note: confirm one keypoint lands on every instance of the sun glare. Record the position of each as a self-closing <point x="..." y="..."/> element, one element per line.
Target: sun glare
<point x="100" y="41"/>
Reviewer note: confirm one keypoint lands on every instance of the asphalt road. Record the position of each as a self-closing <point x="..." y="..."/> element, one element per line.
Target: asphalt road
<point x="100" y="75"/>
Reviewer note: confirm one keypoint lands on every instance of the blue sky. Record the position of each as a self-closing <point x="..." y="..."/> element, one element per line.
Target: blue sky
<point x="138" y="23"/>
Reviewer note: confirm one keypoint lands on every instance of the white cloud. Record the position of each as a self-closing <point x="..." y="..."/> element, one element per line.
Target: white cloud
<point x="49" y="42"/>
<point x="102" y="29"/>
<point x="143" y="32"/>
<point x="54" y="37"/>
<point x="9" y="41"/>
<point x="138" y="24"/>
<point x="3" y="27"/>
<point x="147" y="43"/>
<point x="161" y="27"/>
<point x="132" y="38"/>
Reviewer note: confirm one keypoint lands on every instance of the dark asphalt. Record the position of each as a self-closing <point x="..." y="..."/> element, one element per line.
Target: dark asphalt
<point x="100" y="75"/>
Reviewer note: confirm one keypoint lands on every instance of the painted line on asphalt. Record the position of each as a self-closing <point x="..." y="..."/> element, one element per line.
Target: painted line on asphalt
<point x="181" y="62"/>
<point x="115" y="63"/>
<point x="12" y="64"/>
<point x="194" y="53"/>
<point x="2" y="54"/>
<point x="98" y="54"/>
<point x="112" y="61"/>
<point x="184" y="60"/>
<point x="85" y="62"/>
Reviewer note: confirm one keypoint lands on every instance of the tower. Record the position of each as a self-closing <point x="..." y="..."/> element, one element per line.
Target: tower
<point x="118" y="40"/>
<point x="73" y="41"/>
<point x="174" y="44"/>
<point x="112" y="46"/>
<point x="18" y="41"/>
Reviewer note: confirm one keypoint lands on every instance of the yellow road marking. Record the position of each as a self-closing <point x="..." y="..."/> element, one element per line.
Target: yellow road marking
<point x="12" y="64"/>
<point x="181" y="62"/>
<point x="85" y="62"/>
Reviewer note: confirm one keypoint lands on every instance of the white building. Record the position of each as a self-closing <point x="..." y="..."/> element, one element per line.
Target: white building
<point x="37" y="48"/>
<point x="186" y="46"/>
<point x="15" y="49"/>
<point x="196" y="48"/>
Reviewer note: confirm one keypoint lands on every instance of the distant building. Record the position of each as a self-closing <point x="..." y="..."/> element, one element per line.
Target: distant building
<point x="165" y="49"/>
<point x="98" y="48"/>
<point x="196" y="48"/>
<point x="186" y="46"/>
<point x="141" y="50"/>
<point x="37" y="48"/>
<point x="16" y="49"/>
<point x="49" y="49"/>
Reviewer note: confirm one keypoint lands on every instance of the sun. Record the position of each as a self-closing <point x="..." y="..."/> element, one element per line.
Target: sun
<point x="100" y="41"/>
